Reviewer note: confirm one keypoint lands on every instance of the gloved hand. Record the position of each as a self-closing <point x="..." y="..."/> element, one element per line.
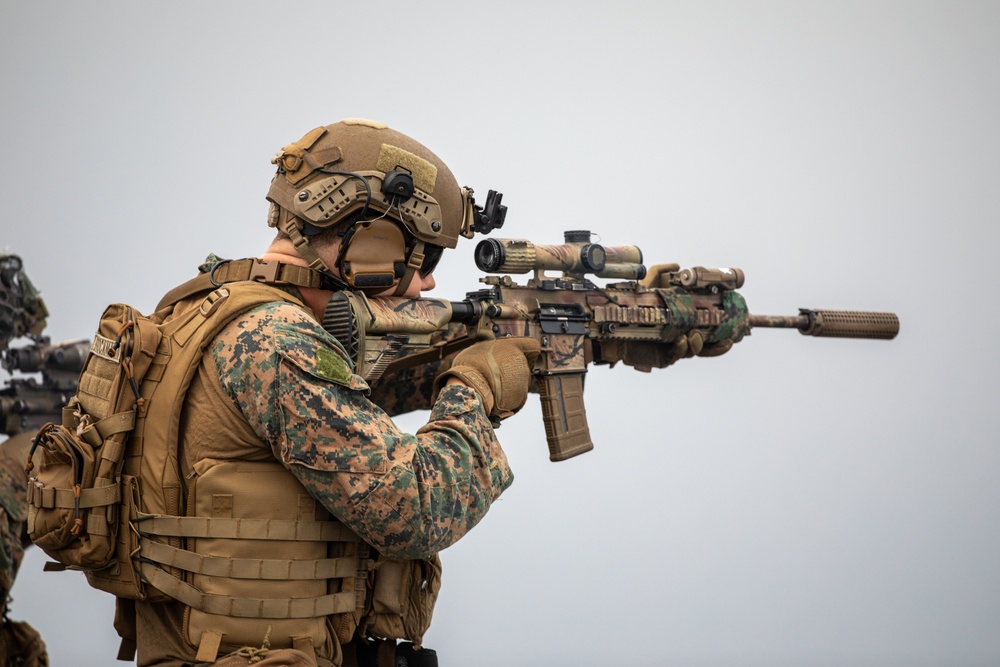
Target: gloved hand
<point x="499" y="370"/>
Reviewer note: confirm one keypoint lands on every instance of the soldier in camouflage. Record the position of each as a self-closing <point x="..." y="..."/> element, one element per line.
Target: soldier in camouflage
<point x="24" y="405"/>
<point x="368" y="209"/>
<point x="20" y="644"/>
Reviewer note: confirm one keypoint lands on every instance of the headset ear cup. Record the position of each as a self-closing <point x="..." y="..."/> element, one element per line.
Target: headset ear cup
<point x="370" y="253"/>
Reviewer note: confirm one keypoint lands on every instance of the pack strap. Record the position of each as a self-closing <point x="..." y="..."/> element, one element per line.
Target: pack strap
<point x="49" y="497"/>
<point x="259" y="270"/>
<point x="237" y="607"/>
<point x="208" y="647"/>
<point x="97" y="433"/>
<point x="247" y="568"/>
<point x="237" y="270"/>
<point x="164" y="525"/>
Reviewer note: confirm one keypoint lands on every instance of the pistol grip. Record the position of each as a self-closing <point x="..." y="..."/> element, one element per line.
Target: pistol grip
<point x="564" y="415"/>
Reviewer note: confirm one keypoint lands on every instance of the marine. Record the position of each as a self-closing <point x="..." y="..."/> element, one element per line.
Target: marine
<point x="24" y="405"/>
<point x="319" y="522"/>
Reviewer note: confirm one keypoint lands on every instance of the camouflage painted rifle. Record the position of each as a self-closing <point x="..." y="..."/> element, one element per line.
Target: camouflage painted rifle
<point x="25" y="402"/>
<point x="645" y="320"/>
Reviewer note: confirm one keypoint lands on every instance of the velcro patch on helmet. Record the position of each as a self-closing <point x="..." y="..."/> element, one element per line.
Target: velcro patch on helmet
<point x="424" y="173"/>
<point x="374" y="124"/>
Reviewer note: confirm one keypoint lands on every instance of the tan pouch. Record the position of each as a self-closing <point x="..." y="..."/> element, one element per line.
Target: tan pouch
<point x="403" y="598"/>
<point x="60" y="496"/>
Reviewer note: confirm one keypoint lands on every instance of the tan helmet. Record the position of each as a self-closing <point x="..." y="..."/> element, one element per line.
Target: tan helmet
<point x="356" y="165"/>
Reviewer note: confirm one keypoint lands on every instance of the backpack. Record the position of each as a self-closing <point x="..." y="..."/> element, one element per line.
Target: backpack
<point x="75" y="496"/>
<point x="85" y="497"/>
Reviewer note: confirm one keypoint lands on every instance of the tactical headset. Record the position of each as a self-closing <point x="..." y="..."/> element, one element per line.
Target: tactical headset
<point x="375" y="254"/>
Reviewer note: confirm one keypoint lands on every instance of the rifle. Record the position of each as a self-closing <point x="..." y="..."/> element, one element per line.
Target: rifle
<point x="646" y="319"/>
<point x="27" y="403"/>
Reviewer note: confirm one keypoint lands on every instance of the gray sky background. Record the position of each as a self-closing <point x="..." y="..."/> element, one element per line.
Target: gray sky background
<point x="797" y="501"/>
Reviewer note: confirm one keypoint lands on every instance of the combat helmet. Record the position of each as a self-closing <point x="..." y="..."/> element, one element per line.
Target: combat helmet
<point x="400" y="203"/>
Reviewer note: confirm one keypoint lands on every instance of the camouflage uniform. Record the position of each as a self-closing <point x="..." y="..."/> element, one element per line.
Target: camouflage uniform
<point x="20" y="644"/>
<point x="290" y="383"/>
<point x="13" y="508"/>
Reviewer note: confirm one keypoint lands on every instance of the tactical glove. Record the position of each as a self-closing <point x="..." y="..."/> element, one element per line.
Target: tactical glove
<point x="499" y="370"/>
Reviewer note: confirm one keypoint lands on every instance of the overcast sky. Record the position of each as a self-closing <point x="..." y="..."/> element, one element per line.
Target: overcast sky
<point x="797" y="501"/>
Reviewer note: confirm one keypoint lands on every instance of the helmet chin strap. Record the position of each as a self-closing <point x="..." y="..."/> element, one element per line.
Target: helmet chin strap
<point x="286" y="222"/>
<point x="413" y="264"/>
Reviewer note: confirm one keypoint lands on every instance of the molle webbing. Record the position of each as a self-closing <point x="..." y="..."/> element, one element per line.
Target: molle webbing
<point x="238" y="607"/>
<point x="243" y="529"/>
<point x="248" y="568"/>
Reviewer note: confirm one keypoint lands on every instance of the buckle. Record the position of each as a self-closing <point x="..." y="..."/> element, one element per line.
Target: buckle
<point x="264" y="272"/>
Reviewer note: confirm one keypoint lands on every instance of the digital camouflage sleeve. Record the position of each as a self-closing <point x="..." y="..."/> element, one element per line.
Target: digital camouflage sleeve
<point x="408" y="495"/>
<point x="13" y="509"/>
<point x="412" y="389"/>
<point x="20" y="644"/>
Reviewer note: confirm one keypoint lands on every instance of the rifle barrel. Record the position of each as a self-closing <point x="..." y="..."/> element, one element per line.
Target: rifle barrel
<point x="834" y="323"/>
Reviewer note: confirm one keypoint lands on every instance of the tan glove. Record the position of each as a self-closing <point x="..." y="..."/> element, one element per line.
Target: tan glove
<point x="499" y="370"/>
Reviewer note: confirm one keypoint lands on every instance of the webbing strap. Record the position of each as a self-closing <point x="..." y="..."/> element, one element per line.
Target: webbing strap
<point x="305" y="644"/>
<point x="227" y="605"/>
<point x="95" y="434"/>
<point x="306" y="251"/>
<point x="413" y="264"/>
<point x="48" y="497"/>
<point x="248" y="568"/>
<point x="161" y="525"/>
<point x="116" y="423"/>
<point x="208" y="647"/>
<point x="277" y="273"/>
<point x="97" y="524"/>
<point x="273" y="273"/>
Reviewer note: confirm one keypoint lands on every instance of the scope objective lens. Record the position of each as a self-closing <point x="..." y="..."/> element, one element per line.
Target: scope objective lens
<point x="489" y="255"/>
